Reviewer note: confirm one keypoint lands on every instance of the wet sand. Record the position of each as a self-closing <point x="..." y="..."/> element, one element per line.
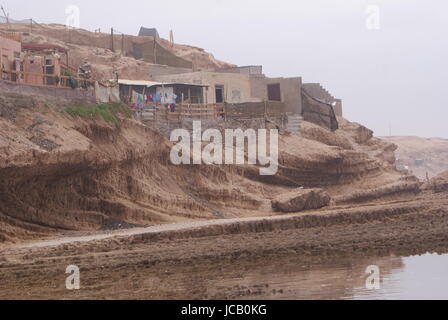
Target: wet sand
<point x="243" y="259"/>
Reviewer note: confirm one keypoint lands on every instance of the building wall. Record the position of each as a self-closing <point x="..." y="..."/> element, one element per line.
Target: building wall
<point x="237" y="87"/>
<point x="33" y="64"/>
<point x="316" y="90"/>
<point x="159" y="70"/>
<point x="70" y="95"/>
<point x="244" y="70"/>
<point x="291" y="91"/>
<point x="151" y="51"/>
<point x="8" y="48"/>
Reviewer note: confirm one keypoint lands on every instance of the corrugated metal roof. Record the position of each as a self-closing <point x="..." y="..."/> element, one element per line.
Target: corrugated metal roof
<point x="155" y="84"/>
<point x="137" y="82"/>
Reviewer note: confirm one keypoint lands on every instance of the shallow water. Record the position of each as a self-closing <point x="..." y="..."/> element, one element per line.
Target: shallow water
<point x="420" y="277"/>
<point x="416" y="277"/>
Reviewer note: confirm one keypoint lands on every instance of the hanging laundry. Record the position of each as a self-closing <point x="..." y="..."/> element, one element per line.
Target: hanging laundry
<point x="173" y="98"/>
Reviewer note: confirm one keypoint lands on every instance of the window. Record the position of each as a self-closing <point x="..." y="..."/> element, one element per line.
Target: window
<point x="236" y="95"/>
<point x="274" y="93"/>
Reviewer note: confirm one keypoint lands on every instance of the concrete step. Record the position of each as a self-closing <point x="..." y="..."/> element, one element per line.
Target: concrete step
<point x="293" y="125"/>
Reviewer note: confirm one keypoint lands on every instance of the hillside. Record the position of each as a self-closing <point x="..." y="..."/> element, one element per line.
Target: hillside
<point x="95" y="47"/>
<point x="422" y="155"/>
<point x="61" y="171"/>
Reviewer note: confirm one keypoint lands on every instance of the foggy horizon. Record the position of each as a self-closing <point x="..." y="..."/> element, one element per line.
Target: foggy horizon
<point x="390" y="79"/>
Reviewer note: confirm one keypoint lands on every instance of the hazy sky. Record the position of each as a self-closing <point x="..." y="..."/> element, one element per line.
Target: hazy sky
<point x="392" y="77"/>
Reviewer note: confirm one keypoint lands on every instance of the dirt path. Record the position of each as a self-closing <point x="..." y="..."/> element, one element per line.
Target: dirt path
<point x="203" y="226"/>
<point x="139" y="231"/>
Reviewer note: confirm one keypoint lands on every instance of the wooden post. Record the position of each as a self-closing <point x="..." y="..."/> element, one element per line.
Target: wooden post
<point x="155" y="51"/>
<point x="122" y="45"/>
<point x="224" y="106"/>
<point x="265" y="110"/>
<point x="112" y="39"/>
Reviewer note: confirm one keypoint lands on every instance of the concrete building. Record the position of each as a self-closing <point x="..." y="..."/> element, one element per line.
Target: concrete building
<point x="243" y="84"/>
<point x="42" y="69"/>
<point x="10" y="51"/>
<point x="286" y="90"/>
<point x="185" y="92"/>
<point x="33" y="66"/>
<point x="221" y="87"/>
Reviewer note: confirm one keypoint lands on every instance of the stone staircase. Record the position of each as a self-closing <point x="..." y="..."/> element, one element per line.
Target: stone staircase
<point x="293" y="125"/>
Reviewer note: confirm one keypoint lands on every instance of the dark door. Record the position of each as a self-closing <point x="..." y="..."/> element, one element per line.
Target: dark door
<point x="219" y="92"/>
<point x="274" y="93"/>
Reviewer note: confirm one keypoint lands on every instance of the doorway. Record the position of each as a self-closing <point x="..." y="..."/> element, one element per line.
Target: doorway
<point x="219" y="94"/>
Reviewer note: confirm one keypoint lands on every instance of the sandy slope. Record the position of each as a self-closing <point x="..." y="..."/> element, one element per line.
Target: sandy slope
<point x="433" y="151"/>
<point x="62" y="173"/>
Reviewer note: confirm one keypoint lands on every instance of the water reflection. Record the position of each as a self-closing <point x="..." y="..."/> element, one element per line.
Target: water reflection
<point x="421" y="277"/>
<point x="418" y="277"/>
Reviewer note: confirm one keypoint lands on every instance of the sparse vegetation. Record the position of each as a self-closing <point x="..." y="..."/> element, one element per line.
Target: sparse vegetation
<point x="107" y="111"/>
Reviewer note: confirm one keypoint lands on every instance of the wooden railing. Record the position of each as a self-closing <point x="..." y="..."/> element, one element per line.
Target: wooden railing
<point x="48" y="80"/>
<point x="69" y="68"/>
<point x="182" y="112"/>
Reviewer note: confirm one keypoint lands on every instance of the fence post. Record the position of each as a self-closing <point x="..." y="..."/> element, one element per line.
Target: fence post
<point x="225" y="111"/>
<point x="265" y="110"/>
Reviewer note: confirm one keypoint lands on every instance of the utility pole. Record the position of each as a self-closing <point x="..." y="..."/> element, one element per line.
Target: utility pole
<point x="172" y="37"/>
<point x="122" y="44"/>
<point x="112" y="39"/>
<point x="155" y="51"/>
<point x="7" y="17"/>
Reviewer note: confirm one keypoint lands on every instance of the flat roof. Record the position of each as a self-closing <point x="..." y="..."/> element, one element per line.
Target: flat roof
<point x="155" y="83"/>
<point x="42" y="47"/>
